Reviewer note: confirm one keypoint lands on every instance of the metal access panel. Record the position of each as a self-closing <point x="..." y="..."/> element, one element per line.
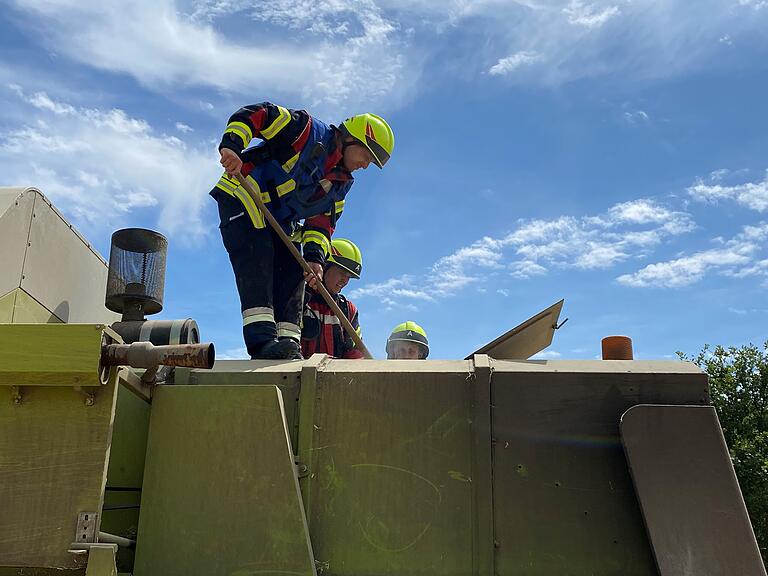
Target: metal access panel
<point x="54" y="448"/>
<point x="691" y="501"/>
<point x="526" y="339"/>
<point x="564" y="502"/>
<point x="390" y="486"/>
<point x="16" y="207"/>
<point x="62" y="271"/>
<point x="220" y="494"/>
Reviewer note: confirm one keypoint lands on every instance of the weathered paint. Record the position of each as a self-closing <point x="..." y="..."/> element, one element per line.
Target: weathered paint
<point x="686" y="485"/>
<point x="51" y="354"/>
<point x="54" y="451"/>
<point x="220" y="494"/>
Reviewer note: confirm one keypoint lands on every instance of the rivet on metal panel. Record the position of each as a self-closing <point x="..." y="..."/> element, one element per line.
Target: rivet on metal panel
<point x="90" y="397"/>
<point x="301" y="470"/>
<point x="16" y="394"/>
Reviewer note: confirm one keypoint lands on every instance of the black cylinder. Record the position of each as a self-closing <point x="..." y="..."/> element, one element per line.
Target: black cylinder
<point x="159" y="332"/>
<point x="136" y="277"/>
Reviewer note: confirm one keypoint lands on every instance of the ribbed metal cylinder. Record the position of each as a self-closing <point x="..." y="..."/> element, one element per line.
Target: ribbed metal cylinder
<point x="617" y="348"/>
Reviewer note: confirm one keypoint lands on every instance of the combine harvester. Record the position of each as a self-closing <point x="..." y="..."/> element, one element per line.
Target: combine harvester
<point x="121" y="451"/>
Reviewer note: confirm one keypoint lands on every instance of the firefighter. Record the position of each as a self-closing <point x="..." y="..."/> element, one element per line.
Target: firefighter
<point x="408" y="341"/>
<point x="303" y="170"/>
<point x="321" y="331"/>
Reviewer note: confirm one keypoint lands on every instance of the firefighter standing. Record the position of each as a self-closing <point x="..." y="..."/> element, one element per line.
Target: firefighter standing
<point x="302" y="169"/>
<point x="321" y="331"/>
<point x="408" y="341"/>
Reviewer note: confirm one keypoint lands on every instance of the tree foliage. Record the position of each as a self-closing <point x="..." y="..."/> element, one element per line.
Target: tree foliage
<point x="738" y="380"/>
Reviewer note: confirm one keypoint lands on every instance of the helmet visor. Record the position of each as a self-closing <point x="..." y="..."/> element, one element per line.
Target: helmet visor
<point x="380" y="156"/>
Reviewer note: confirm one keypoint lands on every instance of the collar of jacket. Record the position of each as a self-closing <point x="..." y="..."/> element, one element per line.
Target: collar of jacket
<point x="334" y="167"/>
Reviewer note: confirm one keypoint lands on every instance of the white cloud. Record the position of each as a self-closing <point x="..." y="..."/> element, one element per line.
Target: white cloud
<point x="752" y="195"/>
<point x="589" y="15"/>
<point x="756" y="4"/>
<point x="347" y="55"/>
<point x="330" y="55"/>
<point x="102" y="165"/>
<point x="627" y="230"/>
<point x="735" y="259"/>
<point x="233" y="354"/>
<point x="183" y="128"/>
<point x="546" y="355"/>
<point x="511" y="63"/>
<point x="636" y="117"/>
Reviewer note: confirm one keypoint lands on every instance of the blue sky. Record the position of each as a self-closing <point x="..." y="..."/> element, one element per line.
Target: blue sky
<point x="613" y="153"/>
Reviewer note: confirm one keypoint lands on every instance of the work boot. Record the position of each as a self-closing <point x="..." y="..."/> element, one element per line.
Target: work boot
<point x="284" y="349"/>
<point x="294" y="350"/>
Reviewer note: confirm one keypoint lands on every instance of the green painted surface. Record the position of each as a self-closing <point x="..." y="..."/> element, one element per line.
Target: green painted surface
<point x="53" y="462"/>
<point x="390" y="465"/>
<point x="28" y="310"/>
<point x="50" y="354"/>
<point x="129" y="441"/>
<point x="101" y="561"/>
<point x="6" y="307"/>
<point x="564" y="500"/>
<point x="220" y="494"/>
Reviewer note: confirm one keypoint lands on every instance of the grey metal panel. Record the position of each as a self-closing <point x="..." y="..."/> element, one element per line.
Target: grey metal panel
<point x="526" y="339"/>
<point x="220" y="494"/>
<point x="8" y="195"/>
<point x="62" y="271"/>
<point x="693" y="508"/>
<point x="390" y="487"/>
<point x="563" y="498"/>
<point x="14" y="232"/>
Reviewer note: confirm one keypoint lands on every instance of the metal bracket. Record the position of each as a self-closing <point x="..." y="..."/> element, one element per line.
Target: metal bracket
<point x="558" y="326"/>
<point x="86" y="528"/>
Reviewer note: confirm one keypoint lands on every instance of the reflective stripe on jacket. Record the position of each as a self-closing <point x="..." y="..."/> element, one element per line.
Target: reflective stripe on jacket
<point x="321" y="330"/>
<point x="296" y="168"/>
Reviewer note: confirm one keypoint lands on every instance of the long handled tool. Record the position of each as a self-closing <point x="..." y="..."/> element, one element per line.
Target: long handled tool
<point x="320" y="287"/>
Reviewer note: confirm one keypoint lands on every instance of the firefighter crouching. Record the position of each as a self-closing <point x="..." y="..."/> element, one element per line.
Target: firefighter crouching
<point x="321" y="331"/>
<point x="303" y="170"/>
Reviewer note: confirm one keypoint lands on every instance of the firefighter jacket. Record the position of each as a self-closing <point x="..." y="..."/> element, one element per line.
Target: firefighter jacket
<point x="321" y="331"/>
<point x="296" y="168"/>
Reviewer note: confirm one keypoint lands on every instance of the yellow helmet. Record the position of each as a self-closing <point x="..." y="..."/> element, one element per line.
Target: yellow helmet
<point x="346" y="254"/>
<point x="408" y="332"/>
<point x="374" y="133"/>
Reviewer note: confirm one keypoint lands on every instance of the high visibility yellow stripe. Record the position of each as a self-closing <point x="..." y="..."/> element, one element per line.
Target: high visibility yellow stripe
<point x="280" y="122"/>
<point x="288" y="166"/>
<point x="242" y="130"/>
<point x="317" y="237"/>
<point x="286" y="187"/>
<point x="297" y="235"/>
<point x="340" y="206"/>
<point x="288" y="329"/>
<point x="267" y="316"/>
<point x="233" y="188"/>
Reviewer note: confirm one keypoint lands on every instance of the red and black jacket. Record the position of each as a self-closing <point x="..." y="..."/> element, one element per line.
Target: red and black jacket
<point x="321" y="331"/>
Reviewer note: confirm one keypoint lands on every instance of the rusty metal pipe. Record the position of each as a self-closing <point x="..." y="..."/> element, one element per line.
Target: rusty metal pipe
<point x="146" y="355"/>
